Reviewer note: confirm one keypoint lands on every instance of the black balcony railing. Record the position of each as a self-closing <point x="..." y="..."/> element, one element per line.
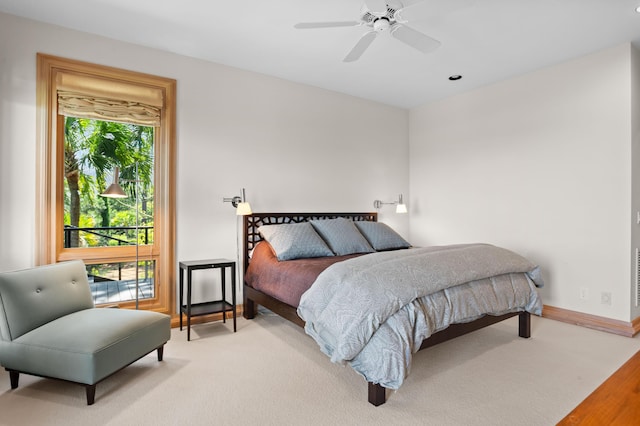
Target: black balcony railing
<point x="107" y="235"/>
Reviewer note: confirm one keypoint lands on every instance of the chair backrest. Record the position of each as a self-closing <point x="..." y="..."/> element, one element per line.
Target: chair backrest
<point x="36" y="296"/>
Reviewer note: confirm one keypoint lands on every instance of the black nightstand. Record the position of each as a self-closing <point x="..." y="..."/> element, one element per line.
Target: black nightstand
<point x="215" y="306"/>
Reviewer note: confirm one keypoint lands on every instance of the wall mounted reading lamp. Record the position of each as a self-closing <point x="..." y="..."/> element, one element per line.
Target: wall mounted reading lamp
<point x="401" y="207"/>
<point x="240" y="203"/>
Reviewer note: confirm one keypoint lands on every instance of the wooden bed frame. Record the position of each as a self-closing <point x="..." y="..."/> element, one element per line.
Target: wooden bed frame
<point x="252" y="297"/>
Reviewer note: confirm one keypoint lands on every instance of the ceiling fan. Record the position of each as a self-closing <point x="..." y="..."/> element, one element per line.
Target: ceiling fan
<point x="381" y="16"/>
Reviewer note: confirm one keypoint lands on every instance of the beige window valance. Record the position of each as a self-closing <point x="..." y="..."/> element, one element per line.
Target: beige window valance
<point x="105" y="99"/>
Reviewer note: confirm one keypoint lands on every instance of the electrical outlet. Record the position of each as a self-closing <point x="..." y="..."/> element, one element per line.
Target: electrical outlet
<point x="584" y="293"/>
<point x="605" y="298"/>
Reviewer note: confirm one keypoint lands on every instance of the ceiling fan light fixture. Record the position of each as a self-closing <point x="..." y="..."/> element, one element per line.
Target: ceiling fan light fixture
<point x="381" y="24"/>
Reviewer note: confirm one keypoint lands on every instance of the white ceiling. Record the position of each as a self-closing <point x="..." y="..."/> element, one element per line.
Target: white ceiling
<point x="483" y="40"/>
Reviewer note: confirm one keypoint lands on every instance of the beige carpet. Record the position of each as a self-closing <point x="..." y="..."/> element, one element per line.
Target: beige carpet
<point x="271" y="373"/>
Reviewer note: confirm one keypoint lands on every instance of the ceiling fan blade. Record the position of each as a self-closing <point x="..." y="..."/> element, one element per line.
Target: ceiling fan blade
<point x="360" y="46"/>
<point x="377" y="7"/>
<point x="414" y="38"/>
<point x="308" y="25"/>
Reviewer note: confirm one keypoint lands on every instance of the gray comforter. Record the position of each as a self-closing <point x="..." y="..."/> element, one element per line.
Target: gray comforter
<point x="389" y="302"/>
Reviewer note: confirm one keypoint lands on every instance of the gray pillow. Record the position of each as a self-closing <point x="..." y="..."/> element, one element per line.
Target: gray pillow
<point x="294" y="241"/>
<point x="381" y="236"/>
<point x="342" y="236"/>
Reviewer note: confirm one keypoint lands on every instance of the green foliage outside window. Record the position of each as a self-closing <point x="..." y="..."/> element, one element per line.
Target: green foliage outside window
<point x="93" y="149"/>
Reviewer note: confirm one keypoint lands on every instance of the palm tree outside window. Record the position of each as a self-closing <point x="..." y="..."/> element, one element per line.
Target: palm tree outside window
<point x="93" y="149"/>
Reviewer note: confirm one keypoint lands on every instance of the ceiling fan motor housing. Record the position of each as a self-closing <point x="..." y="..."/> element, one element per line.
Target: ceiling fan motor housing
<point x="380" y="22"/>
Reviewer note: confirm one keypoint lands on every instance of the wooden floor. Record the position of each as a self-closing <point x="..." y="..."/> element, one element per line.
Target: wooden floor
<point x="615" y="402"/>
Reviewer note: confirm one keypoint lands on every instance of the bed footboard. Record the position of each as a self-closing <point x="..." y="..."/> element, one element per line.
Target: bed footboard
<point x="378" y="394"/>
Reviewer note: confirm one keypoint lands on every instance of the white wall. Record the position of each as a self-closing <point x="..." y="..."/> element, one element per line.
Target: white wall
<point x="540" y="164"/>
<point x="635" y="184"/>
<point x="293" y="147"/>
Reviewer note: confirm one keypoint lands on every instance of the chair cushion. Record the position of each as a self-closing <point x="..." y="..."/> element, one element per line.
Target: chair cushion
<point x="88" y="345"/>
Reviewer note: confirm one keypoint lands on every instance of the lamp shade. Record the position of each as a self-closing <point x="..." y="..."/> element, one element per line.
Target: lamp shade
<point x="243" y="209"/>
<point x="401" y="207"/>
<point x="115" y="190"/>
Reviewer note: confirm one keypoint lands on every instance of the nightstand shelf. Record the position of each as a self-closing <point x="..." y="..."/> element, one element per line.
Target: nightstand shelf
<point x="211" y="307"/>
<point x="206" y="308"/>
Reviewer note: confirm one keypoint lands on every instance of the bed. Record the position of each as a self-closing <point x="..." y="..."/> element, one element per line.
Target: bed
<point x="384" y="350"/>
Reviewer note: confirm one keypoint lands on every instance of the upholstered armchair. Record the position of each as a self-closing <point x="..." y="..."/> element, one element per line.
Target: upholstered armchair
<point x="50" y="327"/>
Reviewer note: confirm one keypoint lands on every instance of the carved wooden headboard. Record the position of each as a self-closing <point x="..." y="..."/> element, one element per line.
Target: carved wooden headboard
<point x="253" y="221"/>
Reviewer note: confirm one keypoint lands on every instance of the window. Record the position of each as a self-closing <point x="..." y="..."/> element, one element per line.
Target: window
<point x="94" y="121"/>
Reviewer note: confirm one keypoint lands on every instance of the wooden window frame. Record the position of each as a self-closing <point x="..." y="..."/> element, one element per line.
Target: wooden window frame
<point x="50" y="182"/>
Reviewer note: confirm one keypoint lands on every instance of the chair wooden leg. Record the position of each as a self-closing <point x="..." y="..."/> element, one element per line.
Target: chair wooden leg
<point x="14" y="376"/>
<point x="91" y="393"/>
<point x="160" y="352"/>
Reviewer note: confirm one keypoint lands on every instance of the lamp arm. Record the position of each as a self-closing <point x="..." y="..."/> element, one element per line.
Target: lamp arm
<point x="233" y="200"/>
<point x="378" y="204"/>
